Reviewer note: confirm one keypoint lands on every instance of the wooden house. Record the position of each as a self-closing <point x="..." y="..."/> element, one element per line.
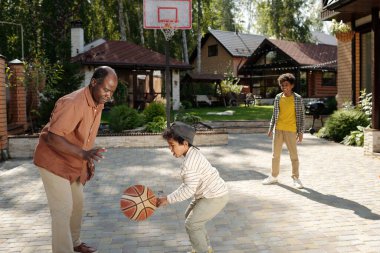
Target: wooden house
<point x="358" y="57"/>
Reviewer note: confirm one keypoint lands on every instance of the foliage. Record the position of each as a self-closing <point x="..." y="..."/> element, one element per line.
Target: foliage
<point x="285" y="19"/>
<point x="122" y="117"/>
<point x="186" y="104"/>
<point x="339" y="27"/>
<point x="341" y="123"/>
<point x="61" y="79"/>
<point x="230" y="85"/>
<point x="153" y="110"/>
<point x="365" y="103"/>
<point x="188" y="118"/>
<point x="121" y="93"/>
<point x="157" y="125"/>
<point x="355" y="138"/>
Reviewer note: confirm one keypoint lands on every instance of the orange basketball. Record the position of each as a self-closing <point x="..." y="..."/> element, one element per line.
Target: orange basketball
<point x="138" y="202"/>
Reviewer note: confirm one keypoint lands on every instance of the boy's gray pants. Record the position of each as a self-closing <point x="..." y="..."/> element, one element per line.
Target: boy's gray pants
<point x="199" y="212"/>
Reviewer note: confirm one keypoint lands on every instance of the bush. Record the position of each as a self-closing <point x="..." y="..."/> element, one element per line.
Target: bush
<point x="342" y="122"/>
<point x="355" y="138"/>
<point x="157" y="125"/>
<point x="186" y="104"/>
<point x="153" y="110"/>
<point x="187" y="118"/>
<point x="123" y="117"/>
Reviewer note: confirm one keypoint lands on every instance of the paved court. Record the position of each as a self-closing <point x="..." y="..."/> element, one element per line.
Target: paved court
<point x="338" y="211"/>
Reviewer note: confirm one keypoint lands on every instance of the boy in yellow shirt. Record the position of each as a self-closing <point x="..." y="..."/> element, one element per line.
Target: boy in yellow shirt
<point x="287" y="125"/>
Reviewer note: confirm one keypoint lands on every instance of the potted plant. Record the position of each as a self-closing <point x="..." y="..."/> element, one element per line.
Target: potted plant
<point x="342" y="31"/>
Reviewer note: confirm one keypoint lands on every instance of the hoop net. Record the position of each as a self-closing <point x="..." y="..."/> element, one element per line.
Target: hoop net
<point x="168" y="30"/>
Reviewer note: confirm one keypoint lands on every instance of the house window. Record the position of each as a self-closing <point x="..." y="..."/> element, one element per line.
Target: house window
<point x="366" y="62"/>
<point x="212" y="50"/>
<point x="328" y="79"/>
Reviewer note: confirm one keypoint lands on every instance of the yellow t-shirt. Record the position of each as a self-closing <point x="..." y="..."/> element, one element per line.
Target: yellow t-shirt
<point x="287" y="116"/>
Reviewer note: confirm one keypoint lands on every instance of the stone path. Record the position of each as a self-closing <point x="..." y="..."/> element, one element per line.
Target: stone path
<point x="338" y="211"/>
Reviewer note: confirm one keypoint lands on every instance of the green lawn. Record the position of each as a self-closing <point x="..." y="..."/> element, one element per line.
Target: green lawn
<point x="240" y="113"/>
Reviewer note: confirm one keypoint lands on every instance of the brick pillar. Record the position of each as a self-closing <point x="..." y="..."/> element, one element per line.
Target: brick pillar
<point x="3" y="112"/>
<point x="17" y="94"/>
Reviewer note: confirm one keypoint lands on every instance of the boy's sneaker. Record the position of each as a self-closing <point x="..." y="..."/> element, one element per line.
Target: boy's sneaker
<point x="297" y="183"/>
<point x="270" y="180"/>
<point x="210" y="250"/>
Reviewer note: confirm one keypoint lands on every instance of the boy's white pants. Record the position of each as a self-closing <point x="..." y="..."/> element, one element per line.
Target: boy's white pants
<point x="199" y="212"/>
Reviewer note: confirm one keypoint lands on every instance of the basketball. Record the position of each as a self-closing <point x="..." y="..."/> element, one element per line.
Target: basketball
<point x="138" y="202"/>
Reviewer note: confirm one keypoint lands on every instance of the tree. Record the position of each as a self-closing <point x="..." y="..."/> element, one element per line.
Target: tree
<point x="285" y="19"/>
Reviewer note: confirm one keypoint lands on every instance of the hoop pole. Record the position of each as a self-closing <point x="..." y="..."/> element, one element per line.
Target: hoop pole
<point x="167" y="83"/>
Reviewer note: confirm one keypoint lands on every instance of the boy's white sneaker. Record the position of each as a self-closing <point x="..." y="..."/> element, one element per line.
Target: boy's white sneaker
<point x="210" y="250"/>
<point x="270" y="180"/>
<point x="297" y="183"/>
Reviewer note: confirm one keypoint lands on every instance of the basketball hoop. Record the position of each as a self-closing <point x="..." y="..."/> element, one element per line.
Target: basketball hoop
<point x="168" y="30"/>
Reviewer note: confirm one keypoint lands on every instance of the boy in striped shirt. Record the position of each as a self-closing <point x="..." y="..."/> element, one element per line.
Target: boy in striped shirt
<point x="199" y="180"/>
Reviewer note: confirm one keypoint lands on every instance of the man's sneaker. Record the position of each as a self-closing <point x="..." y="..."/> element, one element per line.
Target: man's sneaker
<point x="270" y="180"/>
<point x="297" y="183"/>
<point x="84" y="248"/>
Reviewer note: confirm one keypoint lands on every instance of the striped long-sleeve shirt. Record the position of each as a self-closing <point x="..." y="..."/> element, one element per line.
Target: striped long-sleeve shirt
<point x="199" y="179"/>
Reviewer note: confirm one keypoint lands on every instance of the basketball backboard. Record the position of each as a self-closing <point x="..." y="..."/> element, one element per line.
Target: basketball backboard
<point x="160" y="14"/>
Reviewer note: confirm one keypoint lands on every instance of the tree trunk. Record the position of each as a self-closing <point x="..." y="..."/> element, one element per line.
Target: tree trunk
<point x="184" y="44"/>
<point x="121" y="21"/>
<point x="141" y="27"/>
<point x="199" y="61"/>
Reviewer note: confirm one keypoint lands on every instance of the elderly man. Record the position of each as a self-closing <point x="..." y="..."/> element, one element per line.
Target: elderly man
<point x="65" y="157"/>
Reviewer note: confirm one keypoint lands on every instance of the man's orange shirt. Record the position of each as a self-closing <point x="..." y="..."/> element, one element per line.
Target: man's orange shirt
<point x="76" y="118"/>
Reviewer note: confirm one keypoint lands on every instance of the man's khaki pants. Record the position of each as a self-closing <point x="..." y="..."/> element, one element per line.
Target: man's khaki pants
<point x="199" y="212"/>
<point x="65" y="202"/>
<point x="290" y="139"/>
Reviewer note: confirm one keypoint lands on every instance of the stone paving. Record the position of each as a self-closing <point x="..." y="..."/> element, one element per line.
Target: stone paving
<point x="338" y="211"/>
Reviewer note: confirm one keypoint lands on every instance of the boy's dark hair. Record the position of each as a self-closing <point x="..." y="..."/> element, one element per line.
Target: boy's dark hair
<point x="286" y="77"/>
<point x="170" y="134"/>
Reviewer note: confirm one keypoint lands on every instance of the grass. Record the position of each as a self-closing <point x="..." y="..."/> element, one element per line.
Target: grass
<point x="240" y="113"/>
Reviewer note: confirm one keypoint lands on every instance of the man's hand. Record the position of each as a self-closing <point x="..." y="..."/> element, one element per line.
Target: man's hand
<point x="90" y="156"/>
<point x="93" y="155"/>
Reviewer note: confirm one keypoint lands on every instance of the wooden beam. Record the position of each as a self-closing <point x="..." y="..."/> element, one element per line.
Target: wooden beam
<point x="376" y="70"/>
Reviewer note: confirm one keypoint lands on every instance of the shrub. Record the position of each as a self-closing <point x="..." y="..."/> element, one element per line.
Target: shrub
<point x="187" y="118"/>
<point x="355" y="138"/>
<point x="153" y="110"/>
<point x="365" y="103"/>
<point x="186" y="104"/>
<point x="342" y="122"/>
<point x="157" y="125"/>
<point x="123" y="117"/>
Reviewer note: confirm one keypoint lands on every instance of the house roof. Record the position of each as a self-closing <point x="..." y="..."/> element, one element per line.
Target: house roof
<point x="204" y="77"/>
<point x="323" y="38"/>
<point x="303" y="55"/>
<point x="123" y="54"/>
<point x="236" y="44"/>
